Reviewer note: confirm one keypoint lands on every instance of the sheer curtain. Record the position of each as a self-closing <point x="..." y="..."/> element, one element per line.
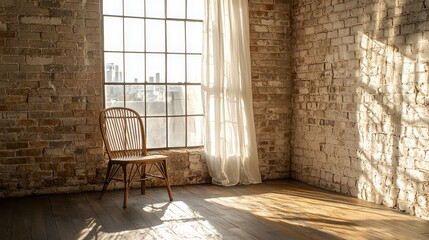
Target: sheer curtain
<point x="229" y="139"/>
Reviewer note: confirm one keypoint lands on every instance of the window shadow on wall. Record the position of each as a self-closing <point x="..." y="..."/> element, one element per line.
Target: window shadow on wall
<point x="392" y="113"/>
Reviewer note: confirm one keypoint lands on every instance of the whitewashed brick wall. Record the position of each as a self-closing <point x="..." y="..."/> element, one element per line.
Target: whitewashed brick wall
<point x="360" y="122"/>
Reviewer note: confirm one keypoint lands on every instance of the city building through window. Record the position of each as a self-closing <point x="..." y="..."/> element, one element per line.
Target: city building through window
<point x="152" y="64"/>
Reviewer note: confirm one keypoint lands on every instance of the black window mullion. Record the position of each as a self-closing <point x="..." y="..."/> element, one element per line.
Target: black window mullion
<point x="178" y="115"/>
<point x="177" y="53"/>
<point x="123" y="52"/>
<point x="154" y="18"/>
<point x="102" y="60"/>
<point x="145" y="72"/>
<point x="156" y="84"/>
<point x="186" y="76"/>
<point x="165" y="74"/>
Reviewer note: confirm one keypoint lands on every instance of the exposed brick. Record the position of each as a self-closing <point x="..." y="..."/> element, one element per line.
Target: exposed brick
<point x="30" y="152"/>
<point x="38" y="60"/>
<point x="27" y="122"/>
<point x="16" y="145"/>
<point x="4" y="154"/>
<point x="352" y="127"/>
<point x="41" y="20"/>
<point x="271" y="79"/>
<point x="31" y="48"/>
<point x="13" y="161"/>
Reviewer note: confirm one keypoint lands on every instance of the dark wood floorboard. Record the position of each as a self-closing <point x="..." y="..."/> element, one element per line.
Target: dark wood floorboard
<point x="37" y="218"/>
<point x="21" y="223"/>
<point x="62" y="218"/>
<point x="110" y="224"/>
<point x="6" y="209"/>
<point x="85" y="220"/>
<point x="272" y="210"/>
<point x="49" y="220"/>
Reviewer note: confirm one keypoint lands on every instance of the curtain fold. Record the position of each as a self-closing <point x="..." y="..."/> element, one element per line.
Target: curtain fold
<point x="229" y="136"/>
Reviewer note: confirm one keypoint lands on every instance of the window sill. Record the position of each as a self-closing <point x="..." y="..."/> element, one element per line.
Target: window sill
<point x="189" y="150"/>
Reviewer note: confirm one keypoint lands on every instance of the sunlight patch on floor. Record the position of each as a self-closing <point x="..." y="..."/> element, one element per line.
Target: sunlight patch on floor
<point x="328" y="215"/>
<point x="177" y="220"/>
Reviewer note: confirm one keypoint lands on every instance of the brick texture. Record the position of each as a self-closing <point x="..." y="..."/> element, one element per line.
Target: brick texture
<point x="360" y="123"/>
<point x="271" y="62"/>
<point x="51" y="95"/>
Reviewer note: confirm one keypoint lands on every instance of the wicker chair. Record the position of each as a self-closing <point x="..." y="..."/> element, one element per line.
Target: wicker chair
<point x="124" y="139"/>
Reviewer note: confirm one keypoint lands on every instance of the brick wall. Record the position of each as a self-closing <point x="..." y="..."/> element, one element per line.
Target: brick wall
<point x="50" y="88"/>
<point x="51" y="94"/>
<point x="271" y="56"/>
<point x="360" y="124"/>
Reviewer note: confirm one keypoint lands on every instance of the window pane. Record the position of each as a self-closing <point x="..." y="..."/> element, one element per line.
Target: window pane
<point x="134" y="34"/>
<point x="194" y="37"/>
<point x="148" y="60"/>
<point x="114" y="96"/>
<point x="176" y="36"/>
<point x="155" y="100"/>
<point x="176" y="8"/>
<point x="113" y="67"/>
<point x="194" y="100"/>
<point x="195" y="9"/>
<point x="155" y="8"/>
<point x="113" y="34"/>
<point x="134" y="67"/>
<point x="195" y="131"/>
<point x="176" y="100"/>
<point x="134" y="97"/>
<point x="156" y="132"/>
<point x="155" y="68"/>
<point x="155" y="35"/>
<point x="176" y="132"/>
<point x="112" y="7"/>
<point x="176" y="68"/>
<point x="193" y="68"/>
<point x="134" y="8"/>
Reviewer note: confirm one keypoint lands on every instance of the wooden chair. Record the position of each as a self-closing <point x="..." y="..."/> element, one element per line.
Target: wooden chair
<point x="124" y="139"/>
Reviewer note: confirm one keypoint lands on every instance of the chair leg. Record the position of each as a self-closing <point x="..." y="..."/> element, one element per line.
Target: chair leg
<point x="167" y="180"/>
<point x="106" y="180"/>
<point x="124" y="169"/>
<point x="143" y="178"/>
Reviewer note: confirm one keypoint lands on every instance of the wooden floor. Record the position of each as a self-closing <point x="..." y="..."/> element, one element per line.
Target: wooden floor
<point x="272" y="210"/>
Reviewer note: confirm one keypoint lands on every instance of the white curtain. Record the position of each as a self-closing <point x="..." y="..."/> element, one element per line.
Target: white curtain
<point x="229" y="136"/>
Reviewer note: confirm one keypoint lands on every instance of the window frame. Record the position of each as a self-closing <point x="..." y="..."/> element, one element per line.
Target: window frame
<point x="145" y="82"/>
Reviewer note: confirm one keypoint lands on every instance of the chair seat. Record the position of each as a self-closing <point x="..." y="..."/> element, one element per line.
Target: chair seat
<point x="137" y="159"/>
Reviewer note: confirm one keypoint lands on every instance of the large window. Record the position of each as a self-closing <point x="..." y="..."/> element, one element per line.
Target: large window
<point x="152" y="62"/>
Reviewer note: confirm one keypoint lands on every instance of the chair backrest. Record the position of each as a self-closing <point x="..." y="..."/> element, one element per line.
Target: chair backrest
<point x="123" y="132"/>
